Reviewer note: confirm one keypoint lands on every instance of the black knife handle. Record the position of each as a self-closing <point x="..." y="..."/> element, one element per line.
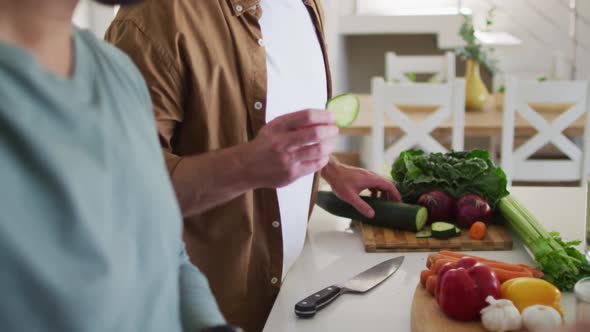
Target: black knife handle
<point x="307" y="307"/>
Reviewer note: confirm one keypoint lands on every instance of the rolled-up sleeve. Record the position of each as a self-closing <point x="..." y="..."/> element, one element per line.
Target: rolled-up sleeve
<point x="198" y="308"/>
<point x="162" y="75"/>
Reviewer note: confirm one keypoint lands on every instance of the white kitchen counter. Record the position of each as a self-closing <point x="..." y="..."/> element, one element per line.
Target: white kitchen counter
<point x="334" y="253"/>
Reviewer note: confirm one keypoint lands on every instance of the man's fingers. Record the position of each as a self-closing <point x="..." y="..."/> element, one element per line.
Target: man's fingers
<point x="386" y="187"/>
<point x="315" y="151"/>
<point x="309" y="136"/>
<point x="304" y="118"/>
<point x="361" y="206"/>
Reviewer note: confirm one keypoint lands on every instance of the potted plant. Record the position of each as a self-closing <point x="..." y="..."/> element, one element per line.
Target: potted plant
<point x="476" y="93"/>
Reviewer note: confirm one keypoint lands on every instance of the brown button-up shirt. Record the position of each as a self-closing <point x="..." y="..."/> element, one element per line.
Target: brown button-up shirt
<point x="206" y="73"/>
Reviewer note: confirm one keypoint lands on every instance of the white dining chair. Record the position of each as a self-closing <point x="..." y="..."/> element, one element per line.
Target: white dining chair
<point x="398" y="66"/>
<point x="517" y="163"/>
<point x="449" y="97"/>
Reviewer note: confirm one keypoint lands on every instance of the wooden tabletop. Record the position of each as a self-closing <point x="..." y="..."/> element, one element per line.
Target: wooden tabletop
<point x="484" y="123"/>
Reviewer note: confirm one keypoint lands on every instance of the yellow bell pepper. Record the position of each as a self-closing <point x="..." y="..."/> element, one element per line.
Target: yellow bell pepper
<point x="525" y="292"/>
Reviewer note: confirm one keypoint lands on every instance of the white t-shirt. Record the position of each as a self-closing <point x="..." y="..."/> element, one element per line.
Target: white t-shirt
<point x="296" y="77"/>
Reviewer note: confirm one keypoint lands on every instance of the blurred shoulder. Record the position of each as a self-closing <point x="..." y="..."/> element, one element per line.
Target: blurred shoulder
<point x="111" y="63"/>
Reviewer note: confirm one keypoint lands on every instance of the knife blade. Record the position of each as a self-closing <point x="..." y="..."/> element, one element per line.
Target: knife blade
<point x="361" y="283"/>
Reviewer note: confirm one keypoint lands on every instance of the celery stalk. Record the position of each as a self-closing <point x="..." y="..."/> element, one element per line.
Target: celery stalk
<point x="561" y="263"/>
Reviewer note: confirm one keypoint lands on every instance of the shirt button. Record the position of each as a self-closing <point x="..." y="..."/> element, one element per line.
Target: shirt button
<point x="276" y="224"/>
<point x="274" y="280"/>
<point x="239" y="8"/>
<point x="258" y="105"/>
<point x="261" y="42"/>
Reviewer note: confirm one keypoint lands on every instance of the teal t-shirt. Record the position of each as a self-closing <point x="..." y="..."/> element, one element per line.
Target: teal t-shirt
<point x="90" y="231"/>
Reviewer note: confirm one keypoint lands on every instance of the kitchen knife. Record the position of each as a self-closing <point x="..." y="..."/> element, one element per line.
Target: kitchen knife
<point x="362" y="283"/>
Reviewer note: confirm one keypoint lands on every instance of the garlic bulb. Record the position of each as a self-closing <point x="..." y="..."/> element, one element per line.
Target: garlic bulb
<point x="538" y="318"/>
<point x="500" y="316"/>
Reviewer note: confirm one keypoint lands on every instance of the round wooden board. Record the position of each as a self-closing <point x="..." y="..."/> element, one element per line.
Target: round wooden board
<point x="427" y="316"/>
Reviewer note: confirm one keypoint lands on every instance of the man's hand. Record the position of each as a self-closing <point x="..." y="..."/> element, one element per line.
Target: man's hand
<point x="289" y="147"/>
<point x="347" y="182"/>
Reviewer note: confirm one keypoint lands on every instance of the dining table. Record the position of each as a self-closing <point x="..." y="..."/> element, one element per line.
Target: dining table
<point x="333" y="253"/>
<point x="486" y="122"/>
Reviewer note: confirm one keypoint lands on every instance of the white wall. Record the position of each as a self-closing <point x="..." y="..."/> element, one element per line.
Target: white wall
<point x="542" y="25"/>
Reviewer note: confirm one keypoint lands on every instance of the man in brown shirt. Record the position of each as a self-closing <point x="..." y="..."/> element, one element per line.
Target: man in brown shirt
<point x="230" y="143"/>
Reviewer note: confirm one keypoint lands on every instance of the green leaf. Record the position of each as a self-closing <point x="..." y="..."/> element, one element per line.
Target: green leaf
<point x="457" y="173"/>
<point x="473" y="49"/>
<point x="411" y="76"/>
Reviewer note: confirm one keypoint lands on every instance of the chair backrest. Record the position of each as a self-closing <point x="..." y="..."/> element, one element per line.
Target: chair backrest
<point x="560" y="69"/>
<point x="396" y="66"/>
<point x="387" y="98"/>
<point x="520" y="95"/>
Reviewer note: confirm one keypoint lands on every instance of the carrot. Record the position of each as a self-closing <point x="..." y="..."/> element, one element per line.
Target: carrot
<point x="510" y="267"/>
<point x="536" y="273"/>
<point x="507" y="267"/>
<point x="424" y="275"/>
<point x="504" y="275"/>
<point x="478" y="230"/>
<point x="431" y="284"/>
<point x="498" y="264"/>
<point x="432" y="258"/>
<point x="461" y="255"/>
<point x="503" y="271"/>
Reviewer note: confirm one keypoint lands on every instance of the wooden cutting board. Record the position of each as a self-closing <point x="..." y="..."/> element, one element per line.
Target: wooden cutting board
<point x="378" y="239"/>
<point x="427" y="316"/>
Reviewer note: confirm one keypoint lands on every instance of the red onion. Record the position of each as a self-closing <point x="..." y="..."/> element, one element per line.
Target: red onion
<point x="471" y="208"/>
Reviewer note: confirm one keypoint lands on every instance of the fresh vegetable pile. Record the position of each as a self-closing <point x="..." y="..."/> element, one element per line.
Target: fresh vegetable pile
<point x="505" y="297"/>
<point x="460" y="188"/>
<point x="561" y="262"/>
<point x="456" y="173"/>
<point x="503" y="271"/>
<point x="464" y="187"/>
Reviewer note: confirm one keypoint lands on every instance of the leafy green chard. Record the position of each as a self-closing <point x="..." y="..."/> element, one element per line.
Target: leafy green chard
<point x="458" y="173"/>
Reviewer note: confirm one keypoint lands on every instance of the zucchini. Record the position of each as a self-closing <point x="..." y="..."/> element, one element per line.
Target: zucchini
<point x="345" y="107"/>
<point x="423" y="234"/>
<point x="387" y="214"/>
<point x="443" y="230"/>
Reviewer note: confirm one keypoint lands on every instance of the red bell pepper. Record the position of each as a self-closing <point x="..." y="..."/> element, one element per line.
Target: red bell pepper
<point x="463" y="287"/>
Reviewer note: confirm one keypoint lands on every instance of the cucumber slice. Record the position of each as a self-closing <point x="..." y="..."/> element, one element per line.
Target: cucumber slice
<point x="458" y="230"/>
<point x="423" y="234"/>
<point x="443" y="230"/>
<point x="345" y="107"/>
<point x="387" y="214"/>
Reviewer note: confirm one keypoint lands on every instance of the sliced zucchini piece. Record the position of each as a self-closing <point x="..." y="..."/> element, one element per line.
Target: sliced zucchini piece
<point x="423" y="234"/>
<point x="443" y="230"/>
<point x="346" y="108"/>
<point x="387" y="214"/>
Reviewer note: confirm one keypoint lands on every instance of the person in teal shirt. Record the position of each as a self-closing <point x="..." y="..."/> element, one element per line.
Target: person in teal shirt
<point x="90" y="230"/>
